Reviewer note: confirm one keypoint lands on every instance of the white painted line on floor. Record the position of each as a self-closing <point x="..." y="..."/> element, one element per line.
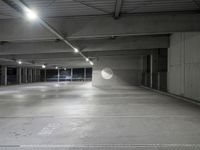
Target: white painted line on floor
<point x="110" y="146"/>
<point x="144" y="116"/>
<point x="10" y="146"/>
<point x="77" y="117"/>
<point x="32" y="117"/>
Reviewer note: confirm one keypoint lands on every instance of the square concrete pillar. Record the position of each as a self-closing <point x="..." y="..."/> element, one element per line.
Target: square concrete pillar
<point x="30" y="75"/>
<point x="85" y="77"/>
<point x="154" y="70"/>
<point x="34" y="75"/>
<point x="4" y="75"/>
<point x="24" y="74"/>
<point x="71" y="74"/>
<point x="37" y="75"/>
<point x="58" y="75"/>
<point x="45" y="75"/>
<point x="19" y="75"/>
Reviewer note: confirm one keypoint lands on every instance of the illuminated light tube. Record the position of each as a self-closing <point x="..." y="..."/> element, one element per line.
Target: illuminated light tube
<point x="19" y="62"/>
<point x="43" y="66"/>
<point x="76" y="50"/>
<point x="30" y="14"/>
<point x="87" y="59"/>
<point x="91" y="63"/>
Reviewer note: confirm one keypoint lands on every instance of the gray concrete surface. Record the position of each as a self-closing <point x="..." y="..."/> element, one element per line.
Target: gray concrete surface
<point x="79" y="116"/>
<point x="94" y="26"/>
<point x="184" y="65"/>
<point x="127" y="70"/>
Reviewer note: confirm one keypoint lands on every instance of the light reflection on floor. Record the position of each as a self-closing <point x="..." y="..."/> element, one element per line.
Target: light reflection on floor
<point x="76" y="113"/>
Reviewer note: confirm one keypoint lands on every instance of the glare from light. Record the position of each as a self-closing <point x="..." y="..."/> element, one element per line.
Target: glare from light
<point x="76" y="50"/>
<point x="31" y="15"/>
<point x="107" y="73"/>
<point x="19" y="62"/>
<point x="56" y="67"/>
<point x="43" y="66"/>
<point x="87" y="59"/>
<point x="91" y="63"/>
<point x="56" y="85"/>
<point x="65" y="69"/>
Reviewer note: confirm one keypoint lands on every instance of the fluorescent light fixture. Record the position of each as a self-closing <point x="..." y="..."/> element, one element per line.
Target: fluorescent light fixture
<point x="76" y="50"/>
<point x="56" y="67"/>
<point x="87" y="59"/>
<point x="30" y="14"/>
<point x="19" y="62"/>
<point x="43" y="66"/>
<point x="91" y="63"/>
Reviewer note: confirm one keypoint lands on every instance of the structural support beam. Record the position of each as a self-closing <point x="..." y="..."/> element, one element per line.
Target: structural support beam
<point x="154" y="70"/>
<point x="4" y="75"/>
<point x="118" y="7"/>
<point x="71" y="74"/>
<point x="37" y="75"/>
<point x="125" y="43"/>
<point x="34" y="74"/>
<point x="46" y="25"/>
<point x="45" y="75"/>
<point x="100" y="26"/>
<point x="30" y="75"/>
<point x="85" y="77"/>
<point x="24" y="78"/>
<point x="58" y="75"/>
<point x="70" y="60"/>
<point x="19" y="75"/>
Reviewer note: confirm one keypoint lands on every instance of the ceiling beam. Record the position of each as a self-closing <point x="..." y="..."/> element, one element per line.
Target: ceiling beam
<point x="48" y="27"/>
<point x="70" y="56"/>
<point x="52" y="64"/>
<point x="118" y="7"/>
<point x="99" y="26"/>
<point x="117" y="44"/>
<point x="65" y="59"/>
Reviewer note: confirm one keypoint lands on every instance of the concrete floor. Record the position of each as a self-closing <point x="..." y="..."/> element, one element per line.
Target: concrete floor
<point x="79" y="116"/>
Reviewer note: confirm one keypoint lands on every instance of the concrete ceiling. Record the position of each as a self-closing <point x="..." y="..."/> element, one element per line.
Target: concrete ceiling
<point x="55" y="8"/>
<point x="96" y="27"/>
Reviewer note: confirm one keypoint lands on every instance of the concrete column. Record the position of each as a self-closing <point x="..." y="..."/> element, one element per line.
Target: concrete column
<point x="58" y="75"/>
<point x="37" y="75"/>
<point x="71" y="73"/>
<point x="24" y="75"/>
<point x="4" y="75"/>
<point x="151" y="71"/>
<point x="34" y="75"/>
<point x="30" y="77"/>
<point x="158" y="87"/>
<point x="85" y="74"/>
<point x="144" y="70"/>
<point x="19" y="75"/>
<point x="45" y="75"/>
<point x="144" y="63"/>
<point x="154" y="70"/>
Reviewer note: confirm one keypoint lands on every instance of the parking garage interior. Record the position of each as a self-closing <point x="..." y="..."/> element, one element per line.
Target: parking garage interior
<point x="99" y="74"/>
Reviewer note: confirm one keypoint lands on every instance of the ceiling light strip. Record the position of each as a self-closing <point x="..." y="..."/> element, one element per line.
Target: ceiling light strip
<point x="51" y="29"/>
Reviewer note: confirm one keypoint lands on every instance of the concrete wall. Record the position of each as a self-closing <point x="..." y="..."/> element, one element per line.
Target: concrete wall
<point x="184" y="65"/>
<point x="127" y="70"/>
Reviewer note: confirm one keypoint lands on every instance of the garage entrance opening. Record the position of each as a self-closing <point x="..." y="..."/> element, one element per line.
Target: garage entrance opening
<point x="71" y="74"/>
